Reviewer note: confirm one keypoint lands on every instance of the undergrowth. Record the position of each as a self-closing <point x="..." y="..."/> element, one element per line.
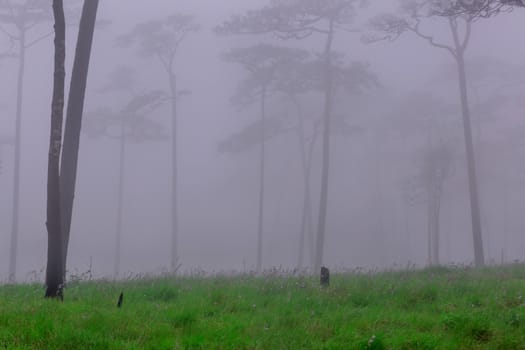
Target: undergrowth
<point x="439" y="308"/>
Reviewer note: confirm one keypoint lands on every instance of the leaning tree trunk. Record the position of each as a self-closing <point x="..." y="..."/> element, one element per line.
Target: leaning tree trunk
<point x="54" y="270"/>
<point x="260" y="224"/>
<point x="75" y="107"/>
<point x="479" y="259"/>
<point x="321" y="224"/>
<point x="13" y="251"/>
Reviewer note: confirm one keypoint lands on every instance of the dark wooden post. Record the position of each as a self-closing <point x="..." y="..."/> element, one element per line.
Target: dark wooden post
<point x="325" y="277"/>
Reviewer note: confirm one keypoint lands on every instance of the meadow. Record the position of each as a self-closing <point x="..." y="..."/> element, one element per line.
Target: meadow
<point x="436" y="308"/>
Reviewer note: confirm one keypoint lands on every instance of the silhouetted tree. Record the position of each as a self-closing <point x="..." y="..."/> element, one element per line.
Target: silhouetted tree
<point x="57" y="242"/>
<point x="265" y="64"/>
<point x="55" y="266"/>
<point x="130" y="124"/>
<point x="73" y="122"/>
<point x="434" y="167"/>
<point x="161" y="39"/>
<point x="493" y="85"/>
<point x="299" y="19"/>
<point x="457" y="14"/>
<point x="287" y="79"/>
<point x="430" y="116"/>
<point x="293" y="85"/>
<point x="16" y="21"/>
<point x="303" y="80"/>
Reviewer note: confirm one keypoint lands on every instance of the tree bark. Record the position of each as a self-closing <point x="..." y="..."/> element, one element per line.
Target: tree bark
<point x="321" y="225"/>
<point x="54" y="270"/>
<point x="13" y="251"/>
<point x="73" y="124"/>
<point x="260" y="225"/>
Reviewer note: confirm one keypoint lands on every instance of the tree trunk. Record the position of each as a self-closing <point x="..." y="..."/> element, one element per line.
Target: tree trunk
<point x="479" y="259"/>
<point x="505" y="194"/>
<point x="73" y="124"/>
<point x="437" y="228"/>
<point x="306" y="194"/>
<point x="378" y="219"/>
<point x="306" y="216"/>
<point x="308" y="200"/>
<point x="54" y="270"/>
<point x="477" y="141"/>
<point x="429" y="228"/>
<point x="302" y="236"/>
<point x="433" y="228"/>
<point x="13" y="251"/>
<point x="120" y="203"/>
<point x="174" y="173"/>
<point x="431" y="167"/>
<point x="321" y="225"/>
<point x="261" y="182"/>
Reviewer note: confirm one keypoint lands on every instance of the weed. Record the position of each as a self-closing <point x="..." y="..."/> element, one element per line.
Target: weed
<point x="438" y="308"/>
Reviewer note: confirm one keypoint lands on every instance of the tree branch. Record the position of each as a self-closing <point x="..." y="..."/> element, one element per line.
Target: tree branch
<point x="39" y="39"/>
<point x="9" y="35"/>
<point x="430" y="39"/>
<point x="455" y="35"/>
<point x="468" y="33"/>
<point x="163" y="61"/>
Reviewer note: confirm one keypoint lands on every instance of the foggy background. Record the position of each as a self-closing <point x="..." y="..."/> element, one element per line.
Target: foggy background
<point x="370" y="224"/>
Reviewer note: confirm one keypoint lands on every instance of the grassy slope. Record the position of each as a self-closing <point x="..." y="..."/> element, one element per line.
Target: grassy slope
<point x="431" y="309"/>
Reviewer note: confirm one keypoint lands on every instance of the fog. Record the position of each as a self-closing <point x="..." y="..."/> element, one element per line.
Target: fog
<point x="376" y="215"/>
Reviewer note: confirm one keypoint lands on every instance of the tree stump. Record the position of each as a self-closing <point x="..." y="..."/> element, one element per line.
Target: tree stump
<point x="325" y="277"/>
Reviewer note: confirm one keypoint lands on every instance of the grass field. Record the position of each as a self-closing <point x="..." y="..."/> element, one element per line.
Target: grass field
<point x="441" y="308"/>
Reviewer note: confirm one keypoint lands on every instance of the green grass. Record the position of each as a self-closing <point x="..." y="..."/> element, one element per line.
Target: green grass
<point x="441" y="308"/>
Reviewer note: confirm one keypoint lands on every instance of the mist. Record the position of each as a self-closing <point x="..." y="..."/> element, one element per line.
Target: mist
<point x="394" y="114"/>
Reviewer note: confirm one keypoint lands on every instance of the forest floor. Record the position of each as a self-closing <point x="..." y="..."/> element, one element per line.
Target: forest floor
<point x="439" y="308"/>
